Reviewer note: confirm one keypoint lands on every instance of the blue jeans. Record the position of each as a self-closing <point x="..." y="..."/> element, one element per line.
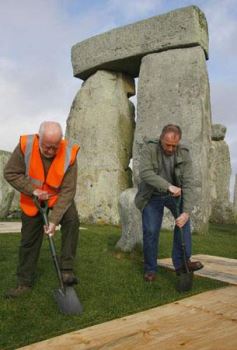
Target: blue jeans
<point x="152" y="216"/>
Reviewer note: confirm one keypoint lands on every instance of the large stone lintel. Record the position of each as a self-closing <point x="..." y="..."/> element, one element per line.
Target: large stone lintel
<point x="122" y="49"/>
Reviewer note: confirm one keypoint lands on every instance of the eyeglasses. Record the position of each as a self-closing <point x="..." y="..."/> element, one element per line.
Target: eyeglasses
<point x="49" y="147"/>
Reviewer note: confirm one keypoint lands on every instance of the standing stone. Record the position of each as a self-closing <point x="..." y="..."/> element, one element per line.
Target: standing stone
<point x="173" y="88"/>
<point x="101" y="120"/>
<point x="220" y="172"/>
<point x="130" y="220"/>
<point x="6" y="191"/>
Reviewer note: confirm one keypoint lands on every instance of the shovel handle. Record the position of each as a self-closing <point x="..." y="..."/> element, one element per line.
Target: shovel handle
<point x="55" y="260"/>
<point x="44" y="210"/>
<point x="178" y="212"/>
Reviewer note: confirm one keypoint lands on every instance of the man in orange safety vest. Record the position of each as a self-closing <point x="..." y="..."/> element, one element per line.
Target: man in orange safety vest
<point x="44" y="165"/>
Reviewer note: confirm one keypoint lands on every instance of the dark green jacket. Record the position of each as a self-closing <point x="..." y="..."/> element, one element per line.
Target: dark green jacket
<point x="150" y="165"/>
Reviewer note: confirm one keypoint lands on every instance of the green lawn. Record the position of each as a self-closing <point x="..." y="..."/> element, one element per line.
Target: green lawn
<point x="111" y="283"/>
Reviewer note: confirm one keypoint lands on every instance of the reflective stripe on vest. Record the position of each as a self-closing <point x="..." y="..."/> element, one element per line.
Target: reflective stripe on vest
<point x="28" y="151"/>
<point x="65" y="157"/>
<point x="27" y="155"/>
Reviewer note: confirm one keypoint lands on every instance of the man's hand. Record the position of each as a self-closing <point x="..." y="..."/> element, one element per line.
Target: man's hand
<point x="50" y="229"/>
<point x="182" y="219"/>
<point x="42" y="195"/>
<point x="174" y="190"/>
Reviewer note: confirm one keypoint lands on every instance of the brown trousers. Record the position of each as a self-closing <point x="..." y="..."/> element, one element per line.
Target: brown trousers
<point x="32" y="233"/>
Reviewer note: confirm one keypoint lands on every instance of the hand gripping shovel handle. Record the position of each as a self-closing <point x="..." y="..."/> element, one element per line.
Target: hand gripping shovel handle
<point x="44" y="209"/>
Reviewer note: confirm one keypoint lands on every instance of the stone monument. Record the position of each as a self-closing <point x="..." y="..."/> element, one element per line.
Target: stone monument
<point x="168" y="54"/>
<point x="6" y="191"/>
<point x="221" y="207"/>
<point x="101" y="120"/>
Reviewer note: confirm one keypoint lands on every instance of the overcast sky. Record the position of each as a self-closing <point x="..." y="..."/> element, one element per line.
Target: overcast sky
<point x="36" y="36"/>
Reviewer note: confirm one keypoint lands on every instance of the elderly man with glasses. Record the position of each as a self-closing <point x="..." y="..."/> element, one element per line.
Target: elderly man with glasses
<point x="44" y="165"/>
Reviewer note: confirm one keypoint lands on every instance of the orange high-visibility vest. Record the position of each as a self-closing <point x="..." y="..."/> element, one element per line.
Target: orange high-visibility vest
<point x="66" y="156"/>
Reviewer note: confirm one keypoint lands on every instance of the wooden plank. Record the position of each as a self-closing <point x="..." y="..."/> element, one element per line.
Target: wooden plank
<point x="15" y="227"/>
<point x="9" y="227"/>
<point x="207" y="321"/>
<point x="215" y="267"/>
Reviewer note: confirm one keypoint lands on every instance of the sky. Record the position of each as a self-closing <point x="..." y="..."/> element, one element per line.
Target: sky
<point x="36" y="36"/>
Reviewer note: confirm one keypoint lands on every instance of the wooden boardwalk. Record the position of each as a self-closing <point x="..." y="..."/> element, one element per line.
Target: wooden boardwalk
<point x="15" y="227"/>
<point x="207" y="321"/>
<point x="215" y="267"/>
<point x="10" y="226"/>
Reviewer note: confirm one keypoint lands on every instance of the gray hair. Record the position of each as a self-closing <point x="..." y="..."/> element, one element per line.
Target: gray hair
<point x="171" y="128"/>
<point x="50" y="127"/>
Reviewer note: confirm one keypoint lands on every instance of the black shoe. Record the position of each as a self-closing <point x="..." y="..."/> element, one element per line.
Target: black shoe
<point x="150" y="276"/>
<point x="192" y="266"/>
<point x="195" y="265"/>
<point x="69" y="278"/>
<point x="18" y="291"/>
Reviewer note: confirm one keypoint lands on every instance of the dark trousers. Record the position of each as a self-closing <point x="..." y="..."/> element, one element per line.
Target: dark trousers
<point x="152" y="216"/>
<point x="32" y="233"/>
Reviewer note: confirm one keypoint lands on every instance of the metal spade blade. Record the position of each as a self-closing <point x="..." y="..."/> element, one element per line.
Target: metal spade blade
<point x="184" y="282"/>
<point x="68" y="301"/>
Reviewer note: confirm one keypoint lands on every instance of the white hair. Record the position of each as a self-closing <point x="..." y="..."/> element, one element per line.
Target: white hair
<point x="51" y="128"/>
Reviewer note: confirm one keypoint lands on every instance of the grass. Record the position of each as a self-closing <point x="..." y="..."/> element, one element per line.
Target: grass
<point x="111" y="283"/>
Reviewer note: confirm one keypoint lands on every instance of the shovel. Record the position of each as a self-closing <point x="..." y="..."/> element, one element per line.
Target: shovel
<point x="65" y="296"/>
<point x="185" y="277"/>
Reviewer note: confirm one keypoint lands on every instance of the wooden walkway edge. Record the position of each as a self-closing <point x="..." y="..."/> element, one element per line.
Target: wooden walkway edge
<point x="207" y="321"/>
<point x="15" y="227"/>
<point x="215" y="267"/>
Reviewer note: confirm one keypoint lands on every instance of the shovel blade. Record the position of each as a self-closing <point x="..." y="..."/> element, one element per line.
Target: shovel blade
<point x="68" y="301"/>
<point x="185" y="282"/>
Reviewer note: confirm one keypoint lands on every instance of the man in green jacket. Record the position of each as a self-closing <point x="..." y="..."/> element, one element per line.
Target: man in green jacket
<point x="166" y="181"/>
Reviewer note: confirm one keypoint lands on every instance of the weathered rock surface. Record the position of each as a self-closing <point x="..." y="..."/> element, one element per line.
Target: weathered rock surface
<point x="122" y="49"/>
<point x="218" y="132"/>
<point x="131" y="221"/>
<point x="101" y="120"/>
<point x="173" y="88"/>
<point x="6" y="191"/>
<point x="221" y="208"/>
<point x="15" y="211"/>
<point x="235" y="199"/>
